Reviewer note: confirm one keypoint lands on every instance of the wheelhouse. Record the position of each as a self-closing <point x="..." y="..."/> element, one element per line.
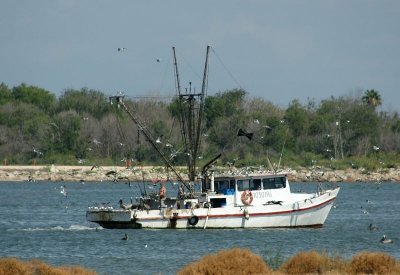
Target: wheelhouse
<point x="247" y="190"/>
<point x="231" y="185"/>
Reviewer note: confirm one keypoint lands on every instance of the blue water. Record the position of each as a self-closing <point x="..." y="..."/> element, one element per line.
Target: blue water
<point x="37" y="221"/>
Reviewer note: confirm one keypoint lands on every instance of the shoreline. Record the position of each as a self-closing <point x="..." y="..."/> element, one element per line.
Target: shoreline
<point x="59" y="173"/>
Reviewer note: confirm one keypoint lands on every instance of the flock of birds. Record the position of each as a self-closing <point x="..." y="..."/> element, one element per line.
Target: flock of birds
<point x="384" y="239"/>
<point x="373" y="227"/>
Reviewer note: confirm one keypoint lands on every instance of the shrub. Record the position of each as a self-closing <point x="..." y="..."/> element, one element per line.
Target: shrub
<point x="306" y="263"/>
<point x="373" y="263"/>
<point x="12" y="266"/>
<point x="233" y="261"/>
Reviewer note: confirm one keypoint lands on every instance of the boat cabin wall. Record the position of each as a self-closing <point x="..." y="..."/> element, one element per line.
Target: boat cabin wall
<point x="263" y="189"/>
<point x="228" y="186"/>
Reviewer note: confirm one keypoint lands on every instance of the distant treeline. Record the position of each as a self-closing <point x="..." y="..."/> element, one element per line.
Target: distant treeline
<point x="81" y="127"/>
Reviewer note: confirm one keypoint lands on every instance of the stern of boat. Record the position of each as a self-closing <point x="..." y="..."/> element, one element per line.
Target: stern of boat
<point x="95" y="215"/>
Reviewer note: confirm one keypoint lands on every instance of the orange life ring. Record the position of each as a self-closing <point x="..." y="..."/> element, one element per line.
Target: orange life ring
<point x="162" y="192"/>
<point x="247" y="197"/>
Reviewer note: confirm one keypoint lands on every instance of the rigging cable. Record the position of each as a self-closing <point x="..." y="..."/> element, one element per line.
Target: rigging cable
<point x="167" y="67"/>
<point x="124" y="143"/>
<point x="222" y="63"/>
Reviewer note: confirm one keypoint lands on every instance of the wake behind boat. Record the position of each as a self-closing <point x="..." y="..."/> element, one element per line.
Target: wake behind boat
<point x="247" y="199"/>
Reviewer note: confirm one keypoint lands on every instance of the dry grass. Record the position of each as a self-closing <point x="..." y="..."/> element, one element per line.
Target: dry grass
<point x="233" y="261"/>
<point x="12" y="266"/>
<point x="306" y="263"/>
<point x="242" y="261"/>
<point x="238" y="261"/>
<point x="373" y="263"/>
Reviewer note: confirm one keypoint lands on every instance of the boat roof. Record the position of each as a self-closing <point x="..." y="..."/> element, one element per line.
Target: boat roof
<point x="249" y="175"/>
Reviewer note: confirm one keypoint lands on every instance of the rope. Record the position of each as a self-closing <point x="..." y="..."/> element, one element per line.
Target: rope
<point x="223" y="65"/>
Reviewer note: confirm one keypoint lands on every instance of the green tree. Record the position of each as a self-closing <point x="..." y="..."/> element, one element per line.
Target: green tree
<point x="364" y="124"/>
<point x="224" y="104"/>
<point x="36" y="96"/>
<point x="25" y="125"/>
<point x="297" y="118"/>
<point x="298" y="121"/>
<point x="372" y="98"/>
<point x="5" y="94"/>
<point x="67" y="126"/>
<point x="225" y="114"/>
<point x="84" y="101"/>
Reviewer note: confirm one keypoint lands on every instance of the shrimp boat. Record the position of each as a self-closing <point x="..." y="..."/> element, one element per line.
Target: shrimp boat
<point x="209" y="199"/>
<point x="251" y="201"/>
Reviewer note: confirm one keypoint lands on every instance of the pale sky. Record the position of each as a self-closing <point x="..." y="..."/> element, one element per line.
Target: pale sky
<point x="277" y="50"/>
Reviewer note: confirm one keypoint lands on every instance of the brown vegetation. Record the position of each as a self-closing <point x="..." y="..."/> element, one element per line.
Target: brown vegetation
<point x="233" y="261"/>
<point x="238" y="261"/>
<point x="242" y="261"/>
<point x="374" y="263"/>
<point x="306" y="262"/>
<point x="12" y="266"/>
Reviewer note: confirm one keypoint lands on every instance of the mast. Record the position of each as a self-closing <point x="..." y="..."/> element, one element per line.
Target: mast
<point x="180" y="107"/>
<point x="202" y="98"/>
<point x="191" y="109"/>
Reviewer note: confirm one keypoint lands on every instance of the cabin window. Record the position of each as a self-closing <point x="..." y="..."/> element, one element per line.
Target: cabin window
<point x="226" y="187"/>
<point x="218" y="202"/>
<point x="274" y="183"/>
<point x="243" y="185"/>
<point x="256" y="184"/>
<point x="253" y="184"/>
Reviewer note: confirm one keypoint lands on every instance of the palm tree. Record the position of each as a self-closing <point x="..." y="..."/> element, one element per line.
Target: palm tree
<point x="372" y="98"/>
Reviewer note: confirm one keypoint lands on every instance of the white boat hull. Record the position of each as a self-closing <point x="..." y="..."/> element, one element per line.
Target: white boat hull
<point x="311" y="212"/>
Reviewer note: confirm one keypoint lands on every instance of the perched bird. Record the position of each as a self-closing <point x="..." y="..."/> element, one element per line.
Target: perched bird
<point x="168" y="145"/>
<point x="111" y="173"/>
<point x="372" y="227"/>
<point x="95" y="141"/>
<point x="125" y="206"/>
<point x="37" y="152"/>
<point x="159" y="139"/>
<point x="385" y="240"/>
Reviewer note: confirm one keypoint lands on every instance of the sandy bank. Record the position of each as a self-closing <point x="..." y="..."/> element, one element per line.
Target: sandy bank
<point x="148" y="173"/>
